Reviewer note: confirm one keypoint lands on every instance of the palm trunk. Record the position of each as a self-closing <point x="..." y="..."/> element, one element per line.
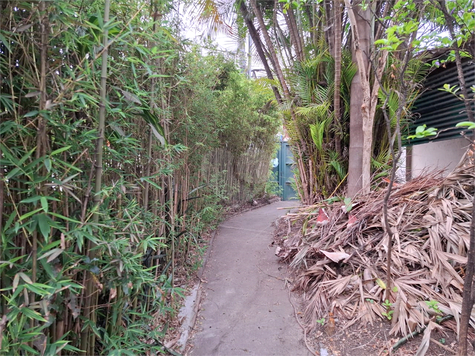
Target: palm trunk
<point x="270" y="47"/>
<point x="88" y="338"/>
<point x="259" y="48"/>
<point x="329" y="29"/>
<point x="361" y="122"/>
<point x="286" y="51"/>
<point x="336" y="94"/>
<point x="298" y="39"/>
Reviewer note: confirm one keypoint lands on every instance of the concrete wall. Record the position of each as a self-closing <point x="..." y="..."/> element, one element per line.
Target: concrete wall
<point x="444" y="154"/>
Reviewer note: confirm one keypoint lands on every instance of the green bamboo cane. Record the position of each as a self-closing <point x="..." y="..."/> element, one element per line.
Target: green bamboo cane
<point x="88" y="338"/>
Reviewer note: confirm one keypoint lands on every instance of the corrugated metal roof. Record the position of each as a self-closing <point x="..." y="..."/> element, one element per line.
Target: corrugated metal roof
<point x="440" y="109"/>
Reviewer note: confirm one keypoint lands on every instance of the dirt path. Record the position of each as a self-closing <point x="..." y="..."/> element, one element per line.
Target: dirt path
<point x="245" y="308"/>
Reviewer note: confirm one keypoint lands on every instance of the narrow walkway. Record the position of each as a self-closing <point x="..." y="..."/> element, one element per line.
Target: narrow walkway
<point x="246" y="310"/>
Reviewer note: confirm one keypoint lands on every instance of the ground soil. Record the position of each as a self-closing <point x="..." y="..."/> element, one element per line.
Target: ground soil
<point x="375" y="340"/>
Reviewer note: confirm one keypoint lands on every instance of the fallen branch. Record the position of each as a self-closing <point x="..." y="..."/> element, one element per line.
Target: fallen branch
<point x="300" y="323"/>
<point x="418" y="331"/>
<point x="446" y="348"/>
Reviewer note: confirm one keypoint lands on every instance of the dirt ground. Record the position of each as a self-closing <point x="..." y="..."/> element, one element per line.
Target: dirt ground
<point x="375" y="340"/>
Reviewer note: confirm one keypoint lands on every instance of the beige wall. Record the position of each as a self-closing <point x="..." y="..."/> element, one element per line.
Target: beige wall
<point x="437" y="155"/>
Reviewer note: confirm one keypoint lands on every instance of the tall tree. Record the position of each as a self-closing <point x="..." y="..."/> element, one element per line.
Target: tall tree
<point x="271" y="49"/>
<point x="364" y="96"/>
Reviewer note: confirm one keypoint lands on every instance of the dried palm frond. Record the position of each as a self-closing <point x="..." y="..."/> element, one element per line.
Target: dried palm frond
<point x="341" y="265"/>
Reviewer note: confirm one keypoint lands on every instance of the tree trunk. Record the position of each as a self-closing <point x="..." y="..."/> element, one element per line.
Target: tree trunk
<point x="270" y="47"/>
<point x="361" y="122"/>
<point x="329" y="27"/>
<point x="468" y="286"/>
<point x="336" y="94"/>
<point x="294" y="34"/>
<point x="468" y="297"/>
<point x="258" y="44"/>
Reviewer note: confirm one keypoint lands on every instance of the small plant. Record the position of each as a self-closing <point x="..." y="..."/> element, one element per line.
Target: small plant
<point x="388" y="313"/>
<point x="321" y="321"/>
<point x="434" y="305"/>
<point x="422" y="132"/>
<point x="348" y="204"/>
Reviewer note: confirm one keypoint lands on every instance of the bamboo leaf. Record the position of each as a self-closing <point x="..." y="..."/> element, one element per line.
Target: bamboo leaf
<point x="31" y="113"/>
<point x="13" y="173"/>
<point x="47" y="163"/>
<point x="335" y="256"/>
<point x="152" y="183"/>
<point x="117" y="129"/>
<point x="5" y="42"/>
<point x="59" y="150"/>
<point x="25" y="278"/>
<point x="381" y="283"/>
<point x="16" y="280"/>
<point x="65" y="218"/>
<point x="130" y="97"/>
<point x="32" y="94"/>
<point x="38" y="288"/>
<point x="44" y="204"/>
<point x="159" y="137"/>
<point x="27" y="215"/>
<point x="30" y="350"/>
<point x="44" y="223"/>
<point x="22" y="28"/>
<point x="31" y="199"/>
<point x="52" y="254"/>
<point x="32" y="314"/>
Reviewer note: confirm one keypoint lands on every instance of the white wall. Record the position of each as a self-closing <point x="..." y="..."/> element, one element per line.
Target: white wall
<point x="444" y="154"/>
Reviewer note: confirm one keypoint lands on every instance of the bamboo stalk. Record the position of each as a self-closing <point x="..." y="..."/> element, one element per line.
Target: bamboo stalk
<point x="40" y="138"/>
<point x="88" y="338"/>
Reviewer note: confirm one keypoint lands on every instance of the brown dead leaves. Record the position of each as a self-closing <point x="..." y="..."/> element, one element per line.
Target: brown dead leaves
<point x="341" y="265"/>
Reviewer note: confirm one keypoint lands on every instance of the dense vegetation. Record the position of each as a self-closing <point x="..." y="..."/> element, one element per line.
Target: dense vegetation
<point x="120" y="144"/>
<point x="346" y="73"/>
<point x="342" y="70"/>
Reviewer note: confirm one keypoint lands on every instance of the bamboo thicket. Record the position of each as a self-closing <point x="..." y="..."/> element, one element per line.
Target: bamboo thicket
<point x="105" y="123"/>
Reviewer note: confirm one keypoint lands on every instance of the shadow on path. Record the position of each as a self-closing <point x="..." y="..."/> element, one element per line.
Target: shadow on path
<point x="245" y="308"/>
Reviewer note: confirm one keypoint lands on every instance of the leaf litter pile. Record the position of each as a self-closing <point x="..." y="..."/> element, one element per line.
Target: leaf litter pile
<point x="339" y="253"/>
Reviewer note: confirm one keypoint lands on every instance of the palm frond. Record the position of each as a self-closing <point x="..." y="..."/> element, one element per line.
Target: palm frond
<point x="334" y="160"/>
<point x="317" y="132"/>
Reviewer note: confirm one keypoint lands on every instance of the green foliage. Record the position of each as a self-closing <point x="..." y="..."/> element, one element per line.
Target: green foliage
<point x="434" y="305"/>
<point x="467" y="124"/>
<point x="423" y="131"/>
<point x="315" y="130"/>
<point x="167" y="109"/>
<point x="348" y="204"/>
<point x="388" y="313"/>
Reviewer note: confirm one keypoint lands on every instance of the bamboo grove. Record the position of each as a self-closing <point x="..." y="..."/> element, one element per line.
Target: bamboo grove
<point x="119" y="145"/>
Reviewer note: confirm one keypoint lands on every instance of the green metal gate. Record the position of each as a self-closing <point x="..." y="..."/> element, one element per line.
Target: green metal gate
<point x="283" y="169"/>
